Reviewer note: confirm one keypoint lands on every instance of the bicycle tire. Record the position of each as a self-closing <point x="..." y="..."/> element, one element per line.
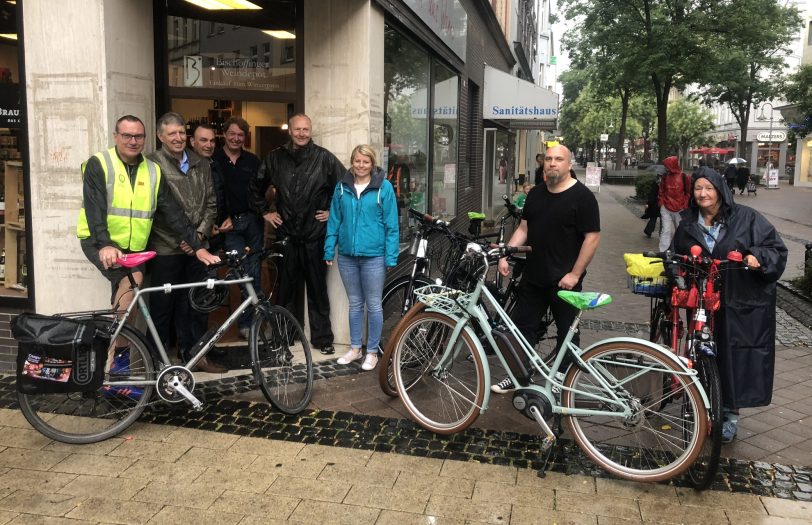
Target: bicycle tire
<point x="447" y="400"/>
<point x="386" y="378"/>
<point x="281" y="359"/>
<point x="89" y="417"/>
<point x="703" y="471"/>
<point x="395" y="303"/>
<point x="637" y="448"/>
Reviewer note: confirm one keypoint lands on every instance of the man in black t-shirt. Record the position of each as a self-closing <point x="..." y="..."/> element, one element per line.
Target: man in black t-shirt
<point x="561" y="222"/>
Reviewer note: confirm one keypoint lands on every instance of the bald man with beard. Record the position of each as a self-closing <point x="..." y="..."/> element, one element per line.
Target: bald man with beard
<point x="561" y="222"/>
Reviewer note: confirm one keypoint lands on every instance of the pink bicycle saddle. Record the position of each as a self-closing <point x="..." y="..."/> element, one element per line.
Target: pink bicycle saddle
<point x="131" y="260"/>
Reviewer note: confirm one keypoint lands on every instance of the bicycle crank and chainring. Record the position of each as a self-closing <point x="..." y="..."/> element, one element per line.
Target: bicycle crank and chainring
<point x="170" y="378"/>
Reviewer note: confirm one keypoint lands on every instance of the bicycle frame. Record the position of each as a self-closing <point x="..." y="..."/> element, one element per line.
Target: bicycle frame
<point x="610" y="394"/>
<point x="121" y="318"/>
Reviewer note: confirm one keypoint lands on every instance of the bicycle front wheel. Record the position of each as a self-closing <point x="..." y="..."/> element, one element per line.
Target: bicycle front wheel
<point x="655" y="441"/>
<point x="88" y="417"/>
<point x="398" y="298"/>
<point x="386" y="375"/>
<point x="440" y="381"/>
<point x="280" y="357"/>
<point x="703" y="471"/>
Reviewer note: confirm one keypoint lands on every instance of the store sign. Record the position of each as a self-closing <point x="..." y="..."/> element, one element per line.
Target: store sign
<point x="446" y="18"/>
<point x="9" y="105"/>
<point x="445" y="101"/>
<point x="511" y="98"/>
<point x="235" y="73"/>
<point x="776" y="136"/>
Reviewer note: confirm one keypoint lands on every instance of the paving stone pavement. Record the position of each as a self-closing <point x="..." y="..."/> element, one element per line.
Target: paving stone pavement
<point x="340" y="462"/>
<point x="156" y="474"/>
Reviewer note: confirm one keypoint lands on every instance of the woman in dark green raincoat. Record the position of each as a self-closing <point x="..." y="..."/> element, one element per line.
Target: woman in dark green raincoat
<point x="745" y="322"/>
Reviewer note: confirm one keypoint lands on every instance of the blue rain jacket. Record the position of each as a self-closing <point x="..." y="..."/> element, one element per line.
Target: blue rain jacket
<point x="365" y="226"/>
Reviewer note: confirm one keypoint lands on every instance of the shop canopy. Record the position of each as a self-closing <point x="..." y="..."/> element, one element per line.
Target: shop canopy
<point x="517" y="103"/>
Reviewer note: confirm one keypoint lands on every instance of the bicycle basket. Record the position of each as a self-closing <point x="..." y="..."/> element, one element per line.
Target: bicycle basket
<point x="442" y="298"/>
<point x="649" y="286"/>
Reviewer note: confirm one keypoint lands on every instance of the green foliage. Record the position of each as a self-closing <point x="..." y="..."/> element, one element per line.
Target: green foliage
<point x="688" y="124"/>
<point x="749" y="59"/>
<point x="643" y="185"/>
<point x="799" y="91"/>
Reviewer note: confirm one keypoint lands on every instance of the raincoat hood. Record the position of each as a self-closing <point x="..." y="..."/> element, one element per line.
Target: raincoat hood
<point x="672" y="165"/>
<point x="718" y="181"/>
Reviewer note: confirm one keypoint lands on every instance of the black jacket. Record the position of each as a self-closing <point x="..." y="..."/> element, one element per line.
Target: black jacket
<point x="745" y="322"/>
<point x="303" y="180"/>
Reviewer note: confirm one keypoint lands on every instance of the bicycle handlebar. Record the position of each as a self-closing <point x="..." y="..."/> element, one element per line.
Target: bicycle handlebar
<point x="234" y="259"/>
<point x="733" y="257"/>
<point x="426" y="218"/>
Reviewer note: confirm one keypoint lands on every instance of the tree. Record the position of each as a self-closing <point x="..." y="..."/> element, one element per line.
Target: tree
<point x="688" y="125"/>
<point x="749" y="57"/>
<point x="667" y="40"/>
<point x="799" y="92"/>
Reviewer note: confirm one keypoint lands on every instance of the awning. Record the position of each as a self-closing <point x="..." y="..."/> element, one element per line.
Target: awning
<point x="517" y="103"/>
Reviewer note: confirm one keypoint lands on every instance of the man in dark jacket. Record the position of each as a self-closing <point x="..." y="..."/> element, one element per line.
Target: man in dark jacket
<point x="744" y="328"/>
<point x="238" y="167"/>
<point x="303" y="176"/>
<point x="204" y="143"/>
<point x="189" y="179"/>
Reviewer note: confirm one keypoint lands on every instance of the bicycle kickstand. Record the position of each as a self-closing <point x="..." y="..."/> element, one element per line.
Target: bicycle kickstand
<point x="547" y="441"/>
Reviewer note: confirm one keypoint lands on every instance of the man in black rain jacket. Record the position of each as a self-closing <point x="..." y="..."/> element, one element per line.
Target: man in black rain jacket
<point x="303" y="176"/>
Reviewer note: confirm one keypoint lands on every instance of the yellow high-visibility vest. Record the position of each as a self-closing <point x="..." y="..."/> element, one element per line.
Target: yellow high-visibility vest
<point x="130" y="209"/>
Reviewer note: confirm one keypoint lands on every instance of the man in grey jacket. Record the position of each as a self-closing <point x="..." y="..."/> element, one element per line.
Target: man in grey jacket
<point x="190" y="181"/>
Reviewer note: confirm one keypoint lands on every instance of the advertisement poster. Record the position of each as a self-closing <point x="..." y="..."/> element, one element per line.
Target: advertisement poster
<point x="593" y="178"/>
<point x="772" y="179"/>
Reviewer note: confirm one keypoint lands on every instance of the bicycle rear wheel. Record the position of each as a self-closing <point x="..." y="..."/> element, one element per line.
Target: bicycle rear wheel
<point x="386" y="376"/>
<point x="88" y="417"/>
<point x="442" y="389"/>
<point x="280" y="356"/>
<point x="398" y="298"/>
<point x="703" y="471"/>
<point x="657" y="440"/>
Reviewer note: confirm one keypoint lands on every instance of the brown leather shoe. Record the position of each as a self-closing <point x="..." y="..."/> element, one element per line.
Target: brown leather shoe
<point x="205" y="365"/>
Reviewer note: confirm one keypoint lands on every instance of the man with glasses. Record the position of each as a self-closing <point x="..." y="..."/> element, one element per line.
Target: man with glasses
<point x="121" y="193"/>
<point x="237" y="168"/>
<point x="189" y="179"/>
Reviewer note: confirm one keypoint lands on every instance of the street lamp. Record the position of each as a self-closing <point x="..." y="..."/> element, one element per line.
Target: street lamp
<point x="770" y="147"/>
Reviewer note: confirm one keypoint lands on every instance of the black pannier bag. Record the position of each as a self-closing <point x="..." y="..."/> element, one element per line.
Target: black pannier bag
<point x="58" y="355"/>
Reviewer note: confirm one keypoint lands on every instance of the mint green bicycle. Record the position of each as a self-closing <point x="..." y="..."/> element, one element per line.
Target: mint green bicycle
<point x="612" y="399"/>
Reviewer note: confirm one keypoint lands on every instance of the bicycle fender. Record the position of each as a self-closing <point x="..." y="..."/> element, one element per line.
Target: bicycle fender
<point x="664" y="353"/>
<point x="486" y="370"/>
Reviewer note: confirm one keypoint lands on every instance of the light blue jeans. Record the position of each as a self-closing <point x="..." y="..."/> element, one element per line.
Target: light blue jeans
<point x="363" y="279"/>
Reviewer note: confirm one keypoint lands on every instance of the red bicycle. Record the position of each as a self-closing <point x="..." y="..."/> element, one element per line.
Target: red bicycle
<point x="693" y="285"/>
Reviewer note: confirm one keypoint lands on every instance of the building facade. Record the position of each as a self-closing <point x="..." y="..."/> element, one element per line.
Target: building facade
<point x="407" y="77"/>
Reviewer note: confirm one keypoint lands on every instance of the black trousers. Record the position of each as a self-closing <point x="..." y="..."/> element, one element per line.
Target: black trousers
<point x="190" y="325"/>
<point x="533" y="302"/>
<point x="303" y="263"/>
<point x="650" y="225"/>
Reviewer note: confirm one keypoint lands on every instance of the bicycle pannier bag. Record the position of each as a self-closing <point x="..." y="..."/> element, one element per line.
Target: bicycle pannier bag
<point x="58" y="355"/>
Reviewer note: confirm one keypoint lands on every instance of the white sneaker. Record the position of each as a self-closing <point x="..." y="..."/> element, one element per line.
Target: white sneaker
<point x="503" y="387"/>
<point x="353" y="355"/>
<point x="370" y="362"/>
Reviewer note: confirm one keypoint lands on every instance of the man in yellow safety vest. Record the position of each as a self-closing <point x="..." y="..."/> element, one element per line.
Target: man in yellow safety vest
<point x="121" y="192"/>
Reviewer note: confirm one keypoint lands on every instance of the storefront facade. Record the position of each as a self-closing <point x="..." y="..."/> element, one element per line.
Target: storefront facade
<point x="407" y="81"/>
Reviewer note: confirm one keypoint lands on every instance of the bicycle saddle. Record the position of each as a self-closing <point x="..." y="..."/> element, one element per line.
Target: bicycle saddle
<point x="131" y="260"/>
<point x="585" y="300"/>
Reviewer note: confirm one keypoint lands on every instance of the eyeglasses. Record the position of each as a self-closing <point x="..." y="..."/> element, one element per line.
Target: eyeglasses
<point x="128" y="137"/>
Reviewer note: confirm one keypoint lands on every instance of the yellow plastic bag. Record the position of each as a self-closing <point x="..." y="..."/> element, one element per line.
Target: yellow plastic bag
<point x="638" y="265"/>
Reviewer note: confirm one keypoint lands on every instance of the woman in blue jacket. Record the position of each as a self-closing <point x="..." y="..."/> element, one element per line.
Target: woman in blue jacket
<point x="364" y="223"/>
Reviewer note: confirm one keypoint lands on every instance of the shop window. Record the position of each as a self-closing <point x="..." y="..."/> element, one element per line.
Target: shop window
<point x="14" y="269"/>
<point x="209" y="60"/>
<point x="420" y="129"/>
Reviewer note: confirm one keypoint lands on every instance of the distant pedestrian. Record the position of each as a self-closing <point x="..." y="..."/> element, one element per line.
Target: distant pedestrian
<point x="742" y="177"/>
<point x="673" y="196"/>
<point x="539" y="178"/>
<point x="652" y="211"/>
<point x="626" y="163"/>
<point x="730" y="176"/>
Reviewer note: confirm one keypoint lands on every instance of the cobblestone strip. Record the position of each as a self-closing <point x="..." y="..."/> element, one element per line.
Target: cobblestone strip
<point x="349" y="430"/>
